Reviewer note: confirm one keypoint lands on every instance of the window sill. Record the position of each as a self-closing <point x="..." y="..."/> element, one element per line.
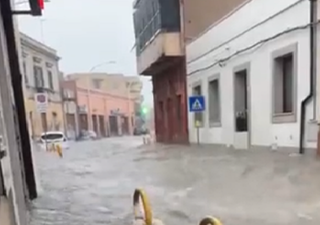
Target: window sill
<point x="284" y="118"/>
<point x="214" y="124"/>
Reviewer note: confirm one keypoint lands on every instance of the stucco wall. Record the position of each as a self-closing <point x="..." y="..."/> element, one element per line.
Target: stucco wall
<point x="52" y="122"/>
<point x="239" y="31"/>
<point x="102" y="103"/>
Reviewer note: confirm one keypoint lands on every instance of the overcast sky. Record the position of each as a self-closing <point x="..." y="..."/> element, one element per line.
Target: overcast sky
<point x="86" y="33"/>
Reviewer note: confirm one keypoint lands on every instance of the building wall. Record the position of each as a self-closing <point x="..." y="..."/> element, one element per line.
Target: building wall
<point x="53" y="122"/>
<point x="12" y="170"/>
<point x="318" y="66"/>
<point x="169" y="89"/>
<point x="223" y="41"/>
<point x="117" y="84"/>
<point x="102" y="103"/>
<point x="115" y="92"/>
<point x="48" y="61"/>
<point x="70" y="102"/>
<point x="199" y="15"/>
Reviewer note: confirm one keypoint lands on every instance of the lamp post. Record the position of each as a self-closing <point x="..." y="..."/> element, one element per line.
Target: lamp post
<point x="89" y="86"/>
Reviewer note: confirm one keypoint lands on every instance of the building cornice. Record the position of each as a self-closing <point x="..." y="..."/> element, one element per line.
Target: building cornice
<point x="30" y="43"/>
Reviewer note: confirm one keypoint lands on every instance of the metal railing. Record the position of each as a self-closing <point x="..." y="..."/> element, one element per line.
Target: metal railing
<point x="144" y="35"/>
<point x="141" y="198"/>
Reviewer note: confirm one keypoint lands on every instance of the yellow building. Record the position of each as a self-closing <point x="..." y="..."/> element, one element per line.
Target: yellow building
<point x="41" y="75"/>
<point x="118" y="84"/>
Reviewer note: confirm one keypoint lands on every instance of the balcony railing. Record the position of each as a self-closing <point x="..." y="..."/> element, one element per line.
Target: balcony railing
<point x="146" y="28"/>
<point x="152" y="17"/>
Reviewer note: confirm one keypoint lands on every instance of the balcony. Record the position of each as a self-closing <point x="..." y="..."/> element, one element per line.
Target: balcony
<point x="157" y="34"/>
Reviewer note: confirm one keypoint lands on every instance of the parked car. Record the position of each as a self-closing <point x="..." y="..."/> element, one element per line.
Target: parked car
<point x="50" y="137"/>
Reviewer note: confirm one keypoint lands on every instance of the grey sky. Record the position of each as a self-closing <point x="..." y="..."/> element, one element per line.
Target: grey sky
<point x="86" y="33"/>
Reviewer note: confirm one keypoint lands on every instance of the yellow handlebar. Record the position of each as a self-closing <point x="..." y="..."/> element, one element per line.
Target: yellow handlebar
<point x="210" y="221"/>
<point x="140" y="194"/>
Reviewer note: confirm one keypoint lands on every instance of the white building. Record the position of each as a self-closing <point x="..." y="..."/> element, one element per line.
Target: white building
<point x="253" y="69"/>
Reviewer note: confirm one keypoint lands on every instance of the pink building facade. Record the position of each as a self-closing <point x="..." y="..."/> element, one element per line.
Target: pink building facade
<point x="104" y="113"/>
<point x="96" y="110"/>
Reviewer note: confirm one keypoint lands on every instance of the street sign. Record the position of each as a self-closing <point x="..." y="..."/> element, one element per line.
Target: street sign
<point x="41" y="100"/>
<point x="197" y="103"/>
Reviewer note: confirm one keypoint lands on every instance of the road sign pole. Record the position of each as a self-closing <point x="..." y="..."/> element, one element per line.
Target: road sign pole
<point x="198" y="136"/>
<point x="197" y="105"/>
<point x="197" y="125"/>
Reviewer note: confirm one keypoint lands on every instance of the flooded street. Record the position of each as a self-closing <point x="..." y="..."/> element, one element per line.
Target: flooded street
<point x="94" y="182"/>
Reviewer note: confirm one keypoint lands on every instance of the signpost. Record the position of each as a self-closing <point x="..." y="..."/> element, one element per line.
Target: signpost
<point x="41" y="100"/>
<point x="197" y="104"/>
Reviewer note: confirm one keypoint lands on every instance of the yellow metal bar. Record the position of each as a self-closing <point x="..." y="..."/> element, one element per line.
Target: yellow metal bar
<point x="210" y="221"/>
<point x="140" y="194"/>
<point x="58" y="148"/>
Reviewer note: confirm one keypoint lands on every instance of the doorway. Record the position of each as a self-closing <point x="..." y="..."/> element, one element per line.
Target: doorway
<point x="94" y="119"/>
<point x="44" y="122"/>
<point x="83" y="122"/>
<point x="102" y="126"/>
<point x="161" y="126"/>
<point x="242" y="107"/>
<point x="170" y="135"/>
<point x="125" y="125"/>
<point x="113" y="122"/>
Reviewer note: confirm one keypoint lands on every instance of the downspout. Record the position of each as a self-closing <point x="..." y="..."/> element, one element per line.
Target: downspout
<point x="313" y="61"/>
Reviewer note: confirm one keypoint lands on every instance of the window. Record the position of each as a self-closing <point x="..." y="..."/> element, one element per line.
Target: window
<point x="25" y="75"/>
<point x="284" y="91"/>
<point x="214" y="102"/>
<point x="50" y="80"/>
<point x="284" y="85"/>
<point x="96" y="83"/>
<point x="38" y="76"/>
<point x="198" y="116"/>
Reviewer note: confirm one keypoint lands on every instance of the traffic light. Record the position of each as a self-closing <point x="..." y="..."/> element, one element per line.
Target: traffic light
<point x="144" y="110"/>
<point x="41" y="4"/>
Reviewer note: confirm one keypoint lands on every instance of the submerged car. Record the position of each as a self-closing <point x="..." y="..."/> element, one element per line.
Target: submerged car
<point x="88" y="135"/>
<point x="54" y="137"/>
<point x="140" y="131"/>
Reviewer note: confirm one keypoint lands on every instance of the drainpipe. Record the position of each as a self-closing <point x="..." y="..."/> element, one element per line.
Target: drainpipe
<point x="313" y="73"/>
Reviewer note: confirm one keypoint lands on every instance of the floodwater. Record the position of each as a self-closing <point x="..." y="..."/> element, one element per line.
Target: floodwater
<point x="94" y="182"/>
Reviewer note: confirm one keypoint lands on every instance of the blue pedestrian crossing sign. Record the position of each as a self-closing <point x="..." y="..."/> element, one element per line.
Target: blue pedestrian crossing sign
<point x="197" y="103"/>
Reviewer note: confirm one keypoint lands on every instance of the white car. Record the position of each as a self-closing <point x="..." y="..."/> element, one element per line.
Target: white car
<point x="50" y="137"/>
